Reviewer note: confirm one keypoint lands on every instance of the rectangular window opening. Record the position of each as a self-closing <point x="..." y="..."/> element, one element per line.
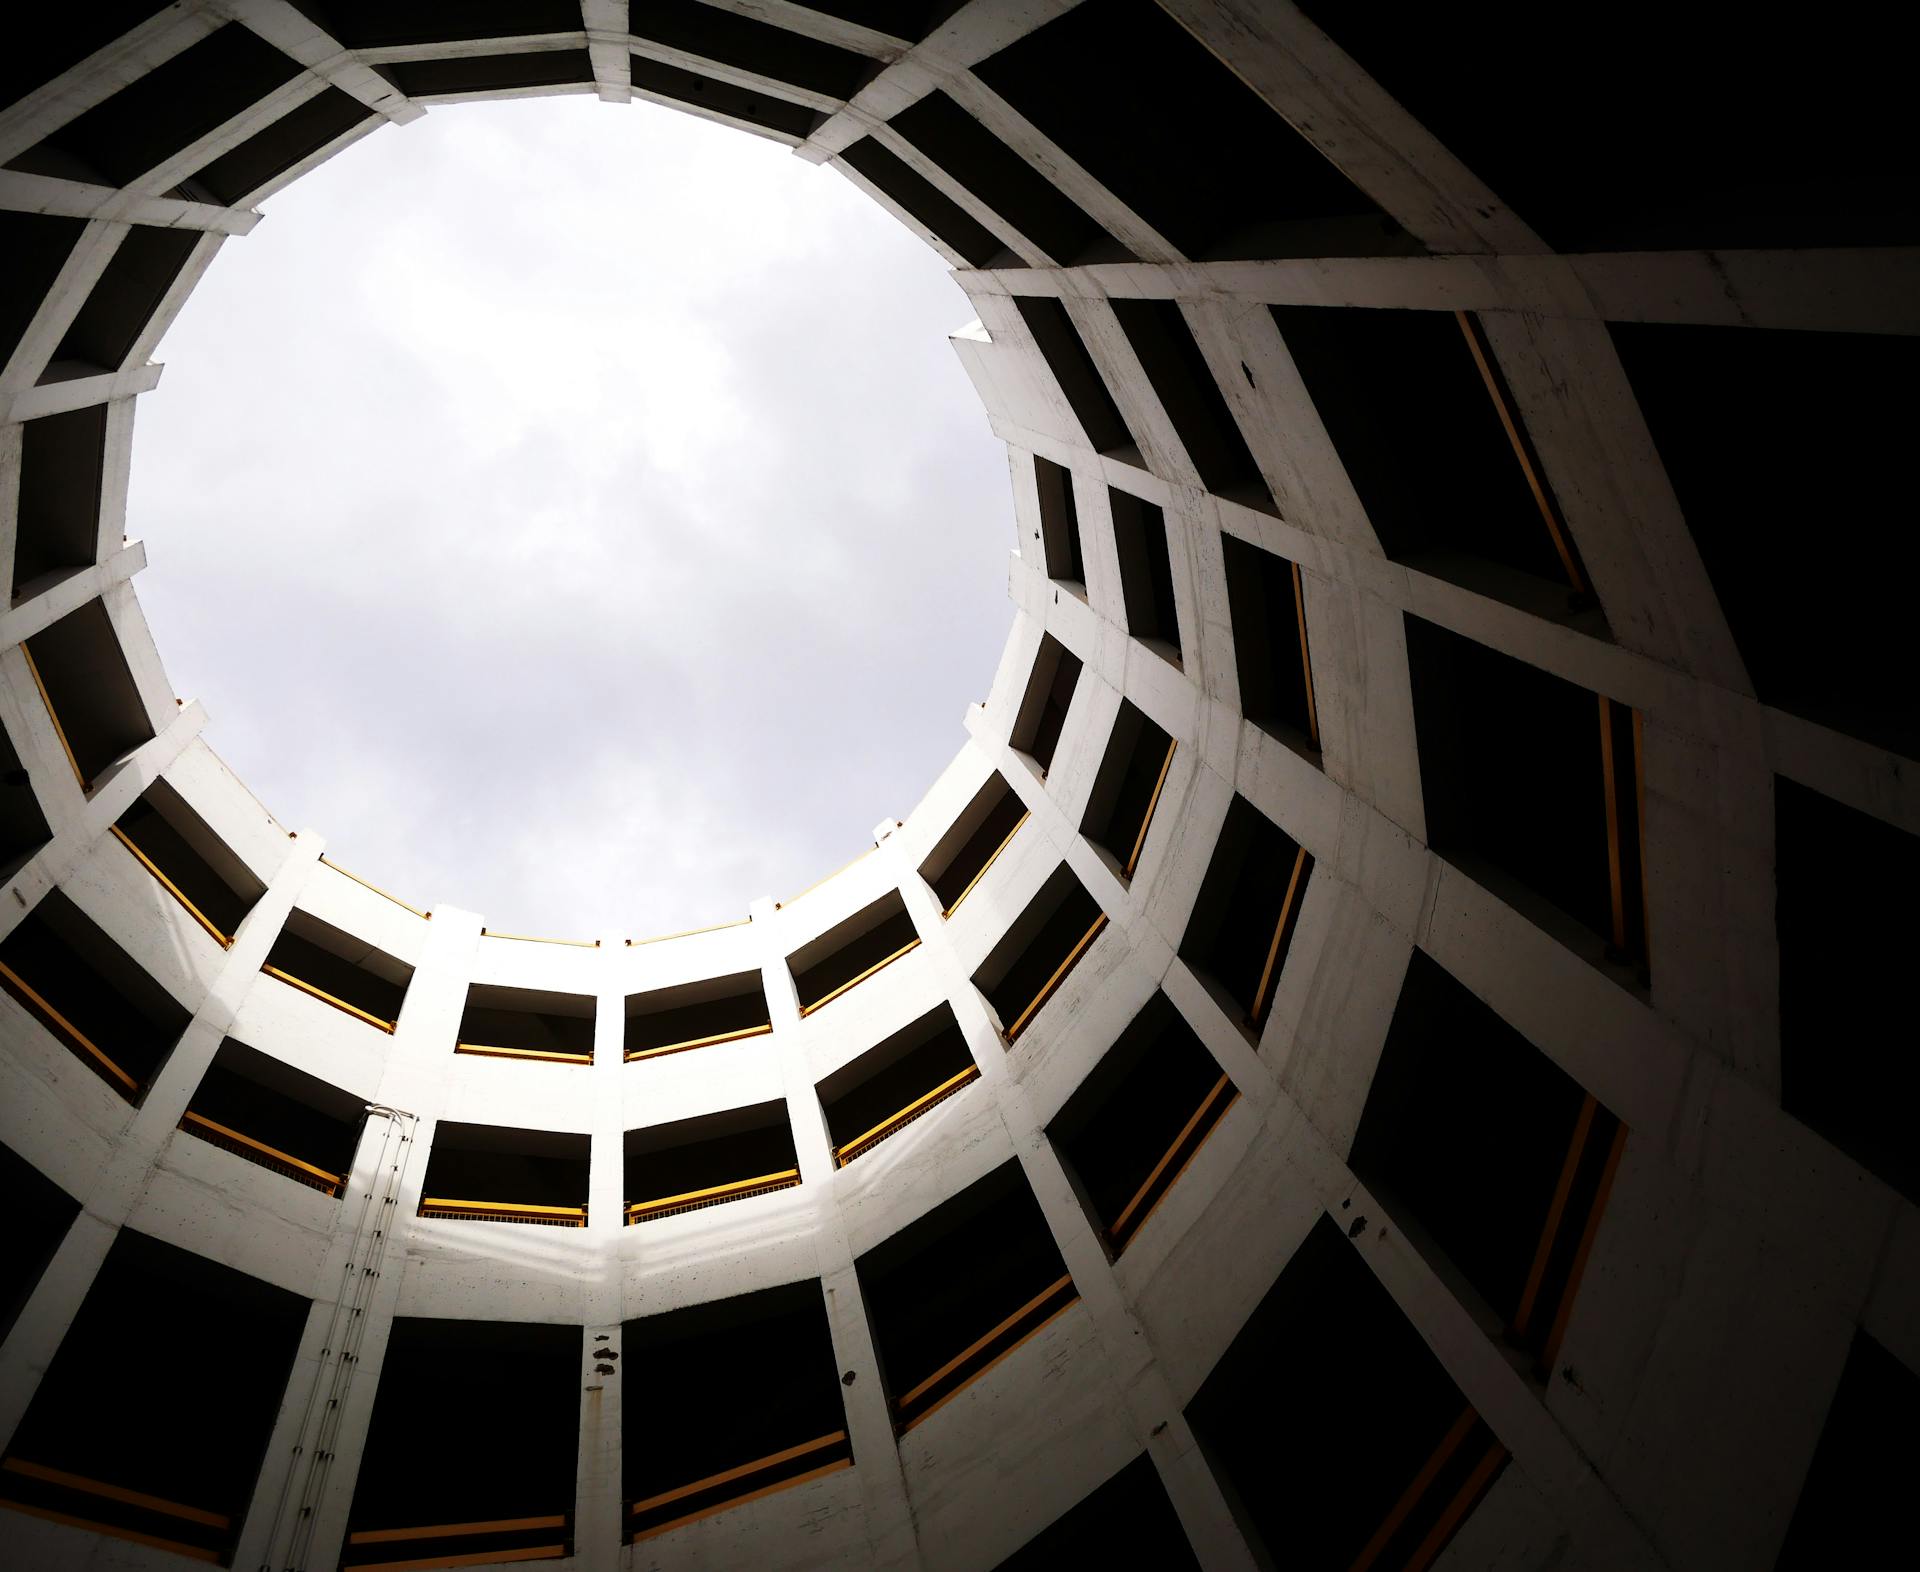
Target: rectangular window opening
<point x="89" y="691"/>
<point x="527" y="1023"/>
<point x="1146" y="573"/>
<point x="1266" y="598"/>
<point x="1072" y="365"/>
<point x="488" y="1173"/>
<point x="700" y="1014"/>
<point x="91" y="995"/>
<point x="1039" y="951"/>
<point x="959" y="1289"/>
<point x="276" y="1117"/>
<point x="62" y="466"/>
<point x="1043" y="707"/>
<point x="1060" y="526"/>
<point x="985" y="828"/>
<point x="894" y="1083"/>
<point x="1242" y="925"/>
<point x="1127" y="789"/>
<point x="334" y="967"/>
<point x="755" y="1392"/>
<point x="39" y="1213"/>
<point x="711" y="1160"/>
<point x="23" y="823"/>
<point x="1497" y="1164"/>
<point x="851" y="951"/>
<point x="1130" y="1129"/>
<point x="180" y="851"/>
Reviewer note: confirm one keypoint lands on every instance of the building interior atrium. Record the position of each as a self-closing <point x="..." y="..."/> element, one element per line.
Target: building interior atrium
<point x="1384" y="1048"/>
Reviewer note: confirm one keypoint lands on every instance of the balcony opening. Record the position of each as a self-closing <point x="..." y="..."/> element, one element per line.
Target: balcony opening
<point x="1385" y="1458"/>
<point x="63" y="461"/>
<point x="912" y="20"/>
<point x="1005" y="182"/>
<point x="924" y="202"/>
<point x="1436" y="449"/>
<point x="711" y="1160"/>
<point x="23" y="823"/>
<point x="985" y="828"/>
<point x="1043" y="707"/>
<point x="36" y="246"/>
<point x="334" y="967"/>
<point x="1243" y="920"/>
<point x="1496" y="1163"/>
<point x="89" y="691"/>
<point x="1849" y="1507"/>
<point x="759" y="48"/>
<point x="175" y="1467"/>
<point x="235" y="176"/>
<point x="1267" y="600"/>
<point x="39" y="1212"/>
<point x="488" y="1173"/>
<point x="894" y="1082"/>
<point x="527" y="1023"/>
<point x="176" y="847"/>
<point x="1188" y="392"/>
<point x="493" y="73"/>
<point x="1146" y="573"/>
<point x="1128" y="1521"/>
<point x="696" y="1015"/>
<point x="960" y="1288"/>
<point x="1535" y="787"/>
<point x="1039" y="952"/>
<point x="1085" y="389"/>
<point x="851" y="951"/>
<point x="161" y="114"/>
<point x="276" y="1117"/>
<point x="380" y="24"/>
<point x="96" y="1000"/>
<point x="754" y="1390"/>
<point x="101" y="337"/>
<point x="1177" y="136"/>
<point x="1126" y="789"/>
<point x="1129" y="1130"/>
<point x="472" y="1451"/>
<point x="1060" y="526"/>
<point x="1824" y="633"/>
<point x="1848" y="931"/>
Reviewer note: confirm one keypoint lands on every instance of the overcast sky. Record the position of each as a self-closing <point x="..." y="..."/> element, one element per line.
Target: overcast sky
<point x="576" y="514"/>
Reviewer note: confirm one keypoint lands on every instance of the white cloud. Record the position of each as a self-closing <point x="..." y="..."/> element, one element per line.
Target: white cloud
<point x="576" y="514"/>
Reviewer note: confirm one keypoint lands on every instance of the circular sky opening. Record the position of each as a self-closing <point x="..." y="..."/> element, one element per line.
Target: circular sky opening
<point x="576" y="514"/>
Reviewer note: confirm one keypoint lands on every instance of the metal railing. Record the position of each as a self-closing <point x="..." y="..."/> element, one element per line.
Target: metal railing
<point x="269" y="1157"/>
<point x="1283" y="926"/>
<point x="896" y="1122"/>
<point x="544" y="1055"/>
<point x="983" y="1353"/>
<point x="61" y="1479"/>
<point x="993" y="857"/>
<point x="1153" y="802"/>
<point x="742" y="1476"/>
<point x="368" y="884"/>
<point x="504" y="1212"/>
<point x="711" y="1040"/>
<point x="713" y="1195"/>
<point x="1153" y="1190"/>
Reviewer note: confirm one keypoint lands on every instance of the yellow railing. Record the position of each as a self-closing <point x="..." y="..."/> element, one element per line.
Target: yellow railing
<point x="709" y="1041"/>
<point x="1289" y="905"/>
<point x="853" y="982"/>
<point x="545" y="1055"/>
<point x="980" y="1344"/>
<point x="1153" y="802"/>
<point x="894" y="1122"/>
<point x="688" y="933"/>
<point x="1126" y="1224"/>
<point x="370" y="885"/>
<point x="1052" y="984"/>
<point x="29" y="996"/>
<point x="326" y="998"/>
<point x="504" y="1212"/>
<point x="61" y="1479"/>
<point x="221" y="1135"/>
<point x="33" y="670"/>
<point x="713" y="1195"/>
<point x="225" y="941"/>
<point x="994" y="857"/>
<point x="743" y="1473"/>
<point x="459" y="1558"/>
<point x="534" y="938"/>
